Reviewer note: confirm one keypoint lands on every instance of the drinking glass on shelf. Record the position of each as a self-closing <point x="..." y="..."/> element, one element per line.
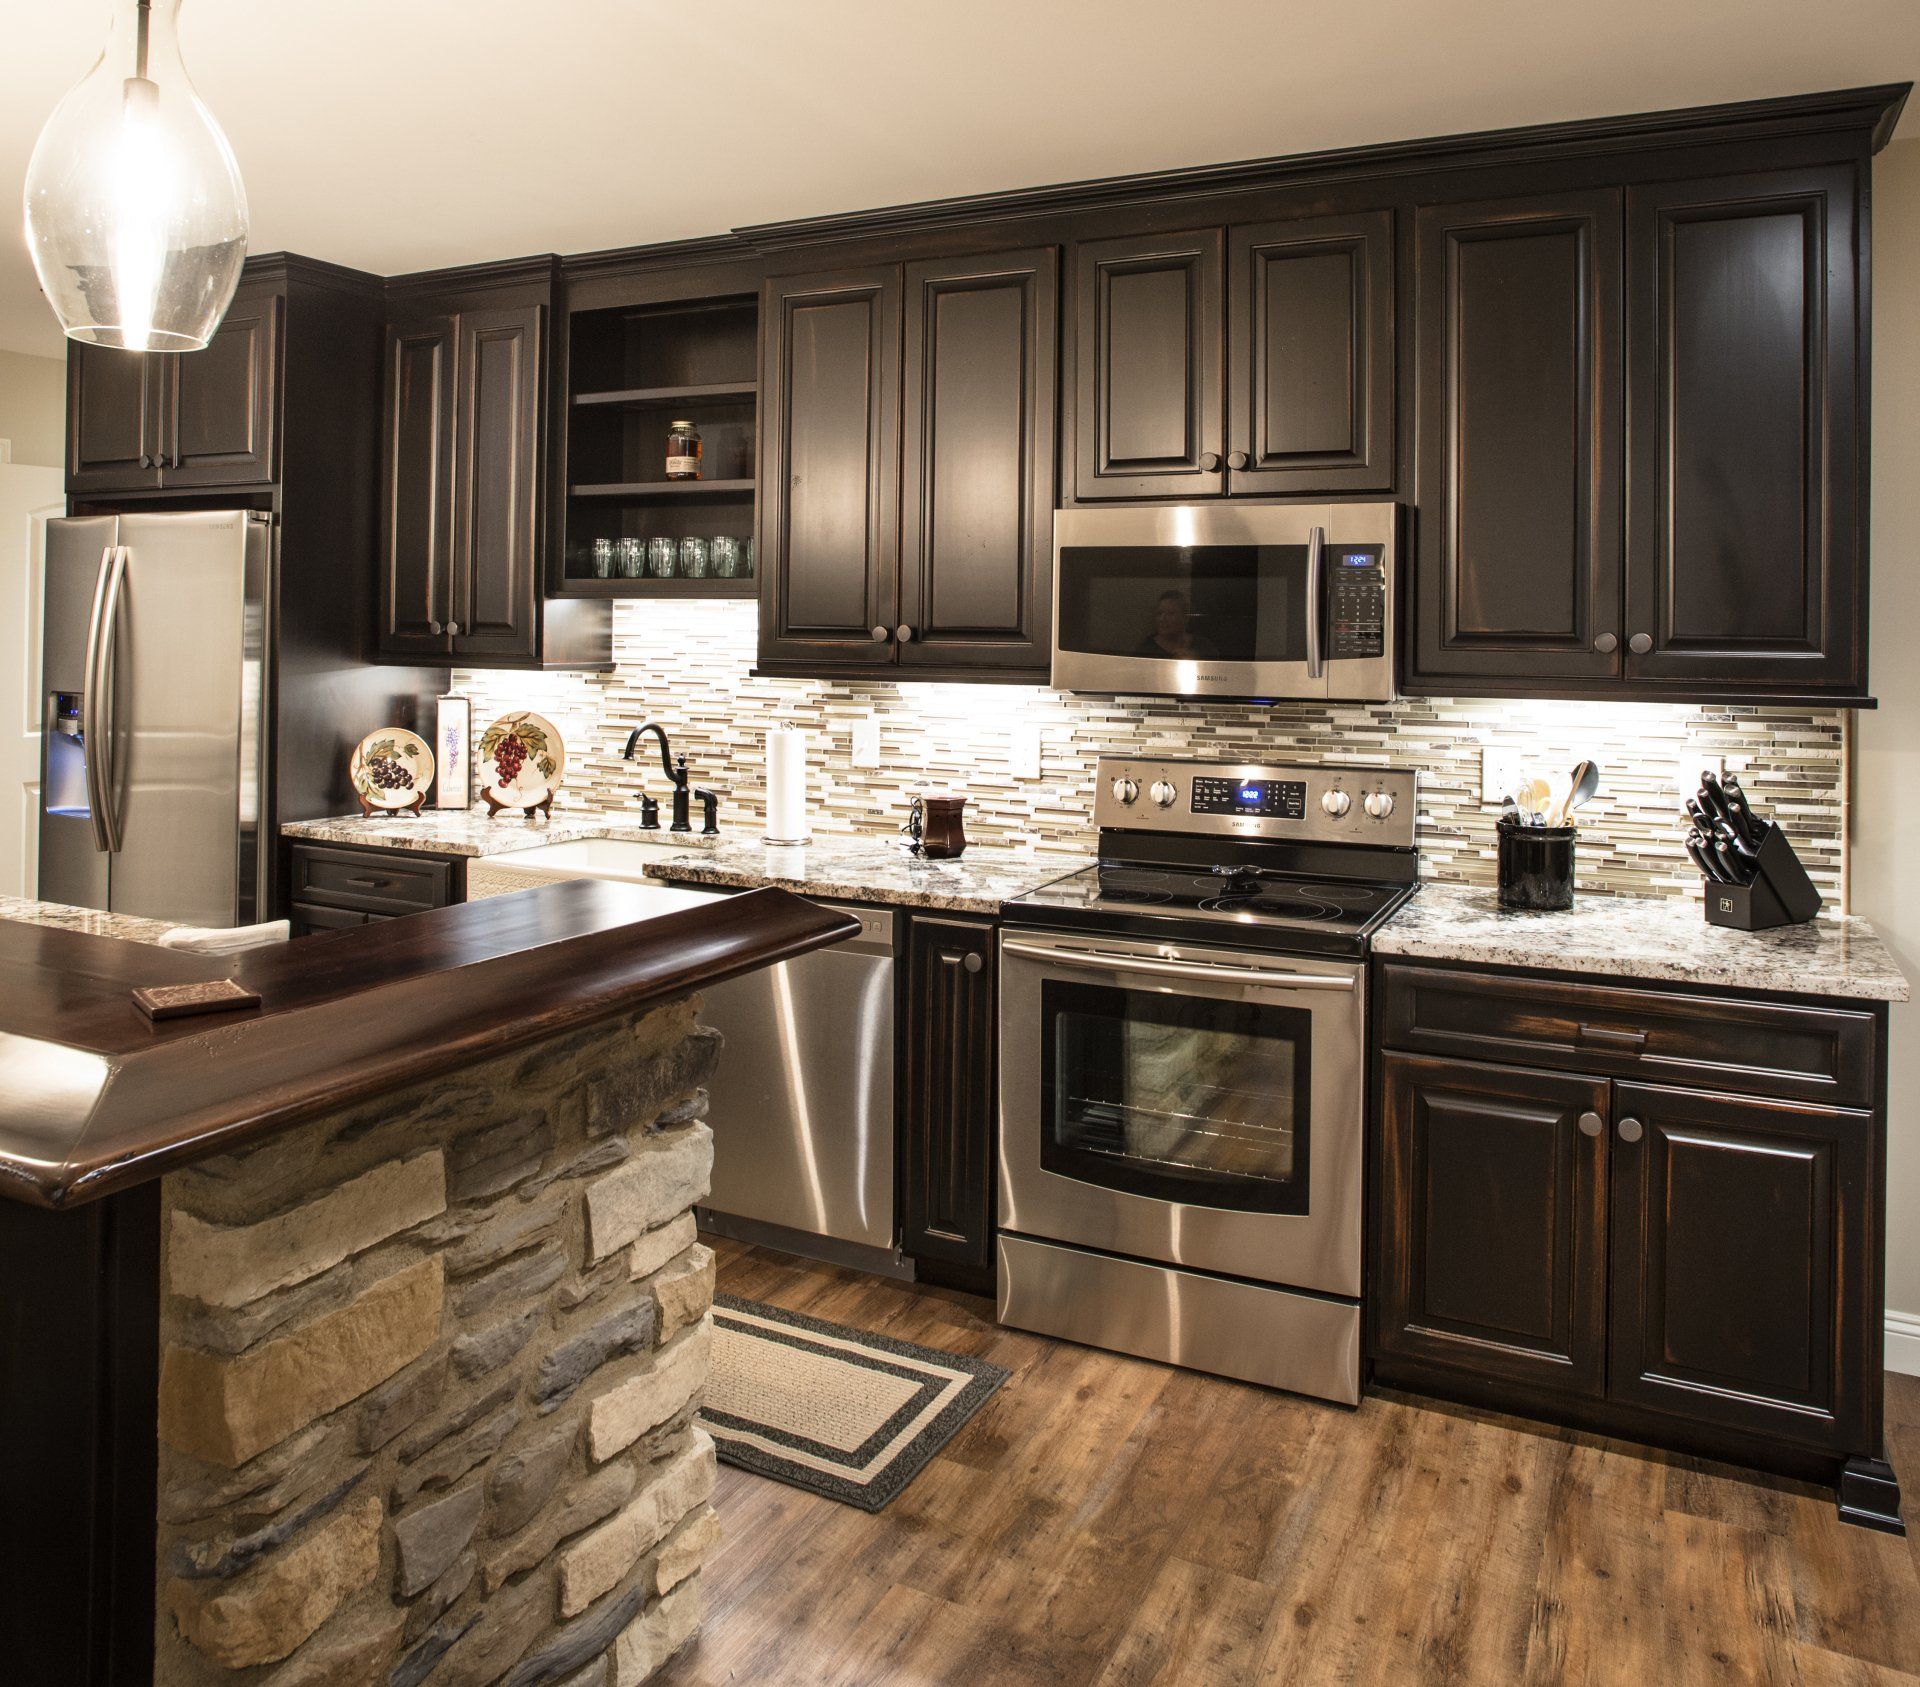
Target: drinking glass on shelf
<point x="603" y="559"/>
<point x="695" y="554"/>
<point x="660" y="554"/>
<point x="633" y="559"/>
<point x="746" y="559"/>
<point x="726" y="557"/>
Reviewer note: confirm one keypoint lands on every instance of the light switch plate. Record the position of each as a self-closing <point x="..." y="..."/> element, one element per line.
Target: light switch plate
<point x="866" y="741"/>
<point x="1499" y="773"/>
<point x="1023" y="749"/>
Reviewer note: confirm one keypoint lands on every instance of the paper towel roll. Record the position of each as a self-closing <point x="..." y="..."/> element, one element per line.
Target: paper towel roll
<point x="786" y="785"/>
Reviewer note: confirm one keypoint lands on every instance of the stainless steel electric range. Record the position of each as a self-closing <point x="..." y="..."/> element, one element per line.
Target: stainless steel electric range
<point x="1183" y="1069"/>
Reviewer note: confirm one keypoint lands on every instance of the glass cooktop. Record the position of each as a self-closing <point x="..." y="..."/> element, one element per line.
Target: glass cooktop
<point x="1238" y="904"/>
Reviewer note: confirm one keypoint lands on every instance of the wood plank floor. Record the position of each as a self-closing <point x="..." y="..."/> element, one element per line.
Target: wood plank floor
<point x="1108" y="1521"/>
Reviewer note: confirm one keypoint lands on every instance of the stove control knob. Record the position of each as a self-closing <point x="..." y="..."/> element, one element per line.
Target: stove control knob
<point x="1163" y="792"/>
<point x="1125" y="790"/>
<point x="1336" y="803"/>
<point x="1379" y="804"/>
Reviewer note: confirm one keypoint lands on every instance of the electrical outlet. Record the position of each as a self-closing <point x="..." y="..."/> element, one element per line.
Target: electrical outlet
<point x="1499" y="773"/>
<point x="866" y="741"/>
<point x="1023" y="749"/>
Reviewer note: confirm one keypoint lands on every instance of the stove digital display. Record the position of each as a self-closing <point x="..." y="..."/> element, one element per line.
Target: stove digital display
<point x="1267" y="799"/>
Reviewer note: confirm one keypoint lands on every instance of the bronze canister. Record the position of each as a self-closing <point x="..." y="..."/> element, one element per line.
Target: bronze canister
<point x="934" y="827"/>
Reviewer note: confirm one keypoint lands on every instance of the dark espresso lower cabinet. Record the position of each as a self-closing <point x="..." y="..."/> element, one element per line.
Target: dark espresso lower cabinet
<point x="1670" y="1262"/>
<point x="947" y="1102"/>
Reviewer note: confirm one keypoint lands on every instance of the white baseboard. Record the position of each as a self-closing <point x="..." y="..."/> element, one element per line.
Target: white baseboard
<point x="1903" y="1342"/>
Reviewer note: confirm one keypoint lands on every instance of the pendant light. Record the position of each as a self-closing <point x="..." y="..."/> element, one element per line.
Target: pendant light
<point x="136" y="218"/>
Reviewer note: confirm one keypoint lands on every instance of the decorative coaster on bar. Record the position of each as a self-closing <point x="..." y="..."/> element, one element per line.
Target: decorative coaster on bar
<point x="182" y="1001"/>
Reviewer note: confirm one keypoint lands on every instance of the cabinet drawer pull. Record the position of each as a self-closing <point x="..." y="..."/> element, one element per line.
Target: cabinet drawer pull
<point x="370" y="884"/>
<point x="1631" y="1130"/>
<point x="1613" y="1037"/>
<point x="1591" y="1124"/>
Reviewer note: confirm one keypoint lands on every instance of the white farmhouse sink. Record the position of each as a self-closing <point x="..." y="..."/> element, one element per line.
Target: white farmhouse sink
<point x="584" y="858"/>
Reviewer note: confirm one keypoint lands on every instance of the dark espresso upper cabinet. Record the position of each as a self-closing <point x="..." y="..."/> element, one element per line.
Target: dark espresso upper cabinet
<point x="907" y="479"/>
<point x="1310" y="355"/>
<point x="466" y="477"/>
<point x="179" y="421"/>
<point x="1147" y="366"/>
<point x="1745" y="532"/>
<point x="1518" y="454"/>
<point x="1639" y="456"/>
<point x="977" y="488"/>
<point x="829" y="478"/>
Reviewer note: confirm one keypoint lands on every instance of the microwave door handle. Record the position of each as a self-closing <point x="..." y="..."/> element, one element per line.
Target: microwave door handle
<point x="1108" y="961"/>
<point x="1316" y="608"/>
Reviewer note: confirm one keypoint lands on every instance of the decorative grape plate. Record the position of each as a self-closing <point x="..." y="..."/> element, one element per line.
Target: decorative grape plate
<point x="391" y="769"/>
<point x="523" y="761"/>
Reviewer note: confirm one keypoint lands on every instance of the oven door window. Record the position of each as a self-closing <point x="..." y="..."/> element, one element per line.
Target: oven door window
<point x="1176" y="1098"/>
<point x="1235" y="603"/>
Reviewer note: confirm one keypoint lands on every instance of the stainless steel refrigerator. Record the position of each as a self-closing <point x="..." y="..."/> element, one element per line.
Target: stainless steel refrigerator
<point x="154" y="768"/>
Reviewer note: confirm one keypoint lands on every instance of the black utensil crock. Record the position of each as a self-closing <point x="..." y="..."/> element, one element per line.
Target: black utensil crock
<point x="1536" y="866"/>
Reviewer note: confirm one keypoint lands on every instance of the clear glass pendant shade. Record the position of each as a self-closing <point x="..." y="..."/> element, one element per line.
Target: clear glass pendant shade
<point x="135" y="214"/>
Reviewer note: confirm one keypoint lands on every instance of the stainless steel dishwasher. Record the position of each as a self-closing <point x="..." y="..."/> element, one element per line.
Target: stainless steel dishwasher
<point x="802" y="1101"/>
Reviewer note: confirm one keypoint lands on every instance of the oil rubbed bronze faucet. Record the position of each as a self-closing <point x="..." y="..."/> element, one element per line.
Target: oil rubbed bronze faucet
<point x="675" y="768"/>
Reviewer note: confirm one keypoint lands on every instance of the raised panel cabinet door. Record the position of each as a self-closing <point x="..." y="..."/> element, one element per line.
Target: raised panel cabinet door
<point x="496" y="482"/>
<point x="1519" y="440"/>
<point x="416" y="492"/>
<point x="1744" y="1243"/>
<point x="830" y="468"/>
<point x="976" y="493"/>
<point x="1746" y="552"/>
<point x="947" y="1125"/>
<point x="113" y="423"/>
<point x="218" y="410"/>
<point x="1490" y="1221"/>
<point x="1147" y="348"/>
<point x="1310" y="355"/>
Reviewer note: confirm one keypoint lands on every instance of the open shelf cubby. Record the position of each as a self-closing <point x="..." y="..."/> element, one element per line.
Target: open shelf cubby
<point x="633" y="372"/>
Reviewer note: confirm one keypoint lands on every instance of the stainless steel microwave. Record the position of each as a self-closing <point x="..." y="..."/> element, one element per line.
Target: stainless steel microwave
<point x="1263" y="601"/>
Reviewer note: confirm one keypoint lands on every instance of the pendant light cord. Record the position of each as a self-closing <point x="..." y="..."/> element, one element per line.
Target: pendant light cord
<point x="144" y="9"/>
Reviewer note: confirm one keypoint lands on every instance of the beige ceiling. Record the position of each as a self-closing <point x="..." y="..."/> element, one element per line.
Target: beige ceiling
<point x="401" y="134"/>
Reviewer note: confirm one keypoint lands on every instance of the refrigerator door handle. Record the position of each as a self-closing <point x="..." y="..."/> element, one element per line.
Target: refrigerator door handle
<point x="96" y="707"/>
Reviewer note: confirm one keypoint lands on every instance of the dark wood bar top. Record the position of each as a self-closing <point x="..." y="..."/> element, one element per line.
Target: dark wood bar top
<point x="95" y="1097"/>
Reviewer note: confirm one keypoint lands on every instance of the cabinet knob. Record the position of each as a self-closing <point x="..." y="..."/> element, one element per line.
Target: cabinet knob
<point x="146" y="460"/>
<point x="881" y="635"/>
<point x="903" y="633"/>
<point x="1591" y="1124"/>
<point x="435" y="627"/>
<point x="1631" y="1130"/>
<point x="1236" y="459"/>
<point x="1606" y="644"/>
<point x="972" y="963"/>
<point x="1209" y="460"/>
<point x="453" y="629"/>
<point x="1640" y="643"/>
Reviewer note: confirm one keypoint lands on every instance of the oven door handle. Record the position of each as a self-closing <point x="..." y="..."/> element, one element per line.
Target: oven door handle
<point x="1316" y="609"/>
<point x="1109" y="961"/>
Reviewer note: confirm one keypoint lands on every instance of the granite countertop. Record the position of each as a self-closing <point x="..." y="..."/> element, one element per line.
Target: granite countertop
<point x="872" y="869"/>
<point x="91" y="922"/>
<point x="1658" y="938"/>
<point x="474" y="833"/>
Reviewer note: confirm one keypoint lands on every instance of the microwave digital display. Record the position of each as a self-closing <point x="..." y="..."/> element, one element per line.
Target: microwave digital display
<point x="1279" y="799"/>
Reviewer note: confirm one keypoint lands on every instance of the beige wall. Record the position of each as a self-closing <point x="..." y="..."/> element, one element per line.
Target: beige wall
<point x="33" y="406"/>
<point x="1886" y="843"/>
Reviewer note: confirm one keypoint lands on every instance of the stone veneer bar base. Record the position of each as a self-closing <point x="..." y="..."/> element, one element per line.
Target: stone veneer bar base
<point x="428" y="1375"/>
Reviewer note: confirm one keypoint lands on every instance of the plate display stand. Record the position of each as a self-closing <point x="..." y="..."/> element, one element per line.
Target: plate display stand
<point x="374" y="811"/>
<point x="496" y="808"/>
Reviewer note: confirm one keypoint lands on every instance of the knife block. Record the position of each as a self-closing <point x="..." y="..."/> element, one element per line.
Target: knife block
<point x="1781" y="894"/>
